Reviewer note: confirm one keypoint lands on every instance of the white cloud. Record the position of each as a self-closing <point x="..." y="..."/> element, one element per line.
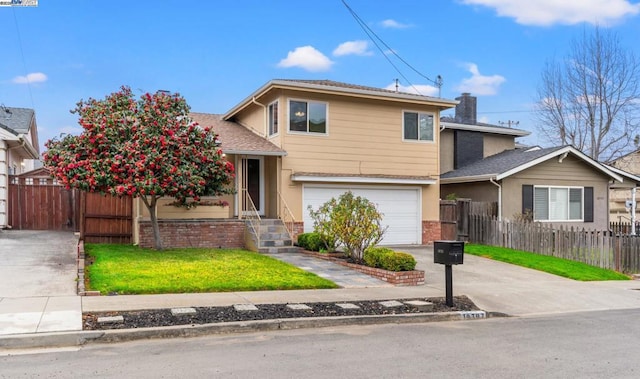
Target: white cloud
<point x="393" y="24"/>
<point x="549" y="12"/>
<point x="34" y="77"/>
<point x="417" y="89"/>
<point x="352" y="48"/>
<point x="479" y="84"/>
<point x="307" y="58"/>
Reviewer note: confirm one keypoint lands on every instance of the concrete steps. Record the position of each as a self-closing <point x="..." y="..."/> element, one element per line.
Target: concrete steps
<point x="274" y="237"/>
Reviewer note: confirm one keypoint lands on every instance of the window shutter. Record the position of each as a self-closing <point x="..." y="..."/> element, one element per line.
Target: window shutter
<point x="527" y="199"/>
<point x="588" y="204"/>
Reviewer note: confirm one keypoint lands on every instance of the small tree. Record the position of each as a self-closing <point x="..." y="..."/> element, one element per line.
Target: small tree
<point x="353" y="221"/>
<point x="147" y="148"/>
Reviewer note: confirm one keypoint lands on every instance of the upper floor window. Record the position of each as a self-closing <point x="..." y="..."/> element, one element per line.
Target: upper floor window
<point x="418" y="126"/>
<point x="273" y="118"/>
<point x="307" y="117"/>
<point x="558" y="203"/>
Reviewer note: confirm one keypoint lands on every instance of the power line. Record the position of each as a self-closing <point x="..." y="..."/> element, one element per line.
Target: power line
<point x="370" y="33"/>
<point x="24" y="62"/>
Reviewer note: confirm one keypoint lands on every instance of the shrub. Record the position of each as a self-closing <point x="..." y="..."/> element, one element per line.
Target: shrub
<point x="316" y="242"/>
<point x="353" y="221"/>
<point x="387" y="259"/>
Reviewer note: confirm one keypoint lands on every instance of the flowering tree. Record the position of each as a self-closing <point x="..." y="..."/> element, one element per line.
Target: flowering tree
<point x="147" y="148"/>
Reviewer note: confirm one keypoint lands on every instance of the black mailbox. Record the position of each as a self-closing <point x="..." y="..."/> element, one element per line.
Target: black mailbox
<point x="448" y="252"/>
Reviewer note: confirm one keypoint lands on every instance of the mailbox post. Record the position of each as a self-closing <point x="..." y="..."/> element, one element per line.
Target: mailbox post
<point x="448" y="253"/>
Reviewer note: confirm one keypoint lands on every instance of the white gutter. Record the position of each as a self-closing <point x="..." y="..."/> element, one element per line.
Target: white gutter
<point x="499" y="198"/>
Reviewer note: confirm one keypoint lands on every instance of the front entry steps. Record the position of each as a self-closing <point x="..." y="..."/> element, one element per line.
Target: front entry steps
<point x="274" y="238"/>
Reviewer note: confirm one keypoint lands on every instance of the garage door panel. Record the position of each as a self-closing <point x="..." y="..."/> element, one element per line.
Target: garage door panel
<point x="400" y="209"/>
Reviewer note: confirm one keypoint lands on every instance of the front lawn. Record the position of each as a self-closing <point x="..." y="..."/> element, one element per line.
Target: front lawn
<point x="557" y="266"/>
<point x="126" y="269"/>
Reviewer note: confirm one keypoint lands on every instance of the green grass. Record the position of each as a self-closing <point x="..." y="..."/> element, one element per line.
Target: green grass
<point x="126" y="269"/>
<point x="557" y="266"/>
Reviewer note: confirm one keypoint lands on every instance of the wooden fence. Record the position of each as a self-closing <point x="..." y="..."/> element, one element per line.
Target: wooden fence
<point x="37" y="203"/>
<point x="106" y="219"/>
<point x="604" y="249"/>
<point x="454" y="216"/>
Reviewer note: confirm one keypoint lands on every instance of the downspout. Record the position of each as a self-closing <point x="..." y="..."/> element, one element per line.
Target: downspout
<point x="266" y="121"/>
<point x="499" y="198"/>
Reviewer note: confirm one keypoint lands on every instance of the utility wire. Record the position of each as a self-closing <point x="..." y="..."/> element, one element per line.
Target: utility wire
<point x="370" y="32"/>
<point x="24" y="62"/>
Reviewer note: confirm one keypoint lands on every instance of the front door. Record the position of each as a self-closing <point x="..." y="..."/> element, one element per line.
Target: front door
<point x="253" y="182"/>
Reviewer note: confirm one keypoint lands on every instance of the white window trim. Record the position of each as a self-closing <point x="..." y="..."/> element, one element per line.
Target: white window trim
<point x="307" y="133"/>
<point x="568" y="203"/>
<point x="432" y="114"/>
<point x="277" y="117"/>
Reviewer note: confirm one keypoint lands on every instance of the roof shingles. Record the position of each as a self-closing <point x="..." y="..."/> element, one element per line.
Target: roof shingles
<point x="235" y="138"/>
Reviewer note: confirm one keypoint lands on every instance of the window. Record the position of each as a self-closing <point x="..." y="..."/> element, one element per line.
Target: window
<point x="418" y="126"/>
<point x="273" y="118"/>
<point x="307" y="117"/>
<point x="558" y="203"/>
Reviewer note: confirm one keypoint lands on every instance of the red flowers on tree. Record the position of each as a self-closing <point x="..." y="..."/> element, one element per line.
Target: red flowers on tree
<point x="147" y="148"/>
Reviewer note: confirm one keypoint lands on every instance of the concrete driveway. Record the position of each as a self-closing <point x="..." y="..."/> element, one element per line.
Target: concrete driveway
<point x="38" y="282"/>
<point x="37" y="263"/>
<point x="501" y="287"/>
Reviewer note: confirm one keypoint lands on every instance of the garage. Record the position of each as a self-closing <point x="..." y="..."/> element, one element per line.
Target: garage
<point x="400" y="207"/>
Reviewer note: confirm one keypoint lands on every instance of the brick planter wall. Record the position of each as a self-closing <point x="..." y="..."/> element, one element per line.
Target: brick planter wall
<point x="398" y="278"/>
<point x="215" y="233"/>
<point x="431" y="231"/>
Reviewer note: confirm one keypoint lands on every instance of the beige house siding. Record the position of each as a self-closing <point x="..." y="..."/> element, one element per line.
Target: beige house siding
<point x="571" y="172"/>
<point x="363" y="138"/>
<point x="446" y="151"/>
<point x="495" y="144"/>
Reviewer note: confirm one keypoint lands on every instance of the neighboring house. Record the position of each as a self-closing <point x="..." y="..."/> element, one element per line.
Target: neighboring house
<point x="18" y="149"/>
<point x="620" y="197"/>
<point x="558" y="185"/>
<point x="298" y="143"/>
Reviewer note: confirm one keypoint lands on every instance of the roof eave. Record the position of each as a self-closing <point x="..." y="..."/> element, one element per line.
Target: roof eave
<point x="486" y="129"/>
<point x="286" y="84"/>
<point x="255" y="152"/>
<point x="468" y="179"/>
<point x="361" y="179"/>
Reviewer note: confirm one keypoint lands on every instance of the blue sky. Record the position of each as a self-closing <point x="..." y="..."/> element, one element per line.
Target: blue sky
<point x="215" y="53"/>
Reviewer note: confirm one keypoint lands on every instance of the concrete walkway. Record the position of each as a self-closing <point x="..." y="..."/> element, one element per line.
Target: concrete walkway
<point x="38" y="282"/>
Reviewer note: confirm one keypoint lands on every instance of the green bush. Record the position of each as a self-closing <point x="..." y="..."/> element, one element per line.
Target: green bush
<point x="353" y="221"/>
<point x="387" y="259"/>
<point x="316" y="242"/>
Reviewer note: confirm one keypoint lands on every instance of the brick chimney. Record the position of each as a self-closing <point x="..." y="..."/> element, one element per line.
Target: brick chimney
<point x="466" y="110"/>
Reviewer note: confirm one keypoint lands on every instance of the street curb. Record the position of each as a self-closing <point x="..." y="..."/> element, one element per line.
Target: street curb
<point x="79" y="338"/>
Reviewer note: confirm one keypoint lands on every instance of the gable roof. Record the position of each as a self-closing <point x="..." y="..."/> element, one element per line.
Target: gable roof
<point x="333" y="87"/>
<point x="510" y="162"/>
<point x="235" y="138"/>
<point x="16" y="124"/>
<point x="450" y="123"/>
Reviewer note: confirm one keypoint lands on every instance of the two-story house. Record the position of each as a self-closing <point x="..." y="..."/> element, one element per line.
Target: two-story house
<point x="298" y="143"/>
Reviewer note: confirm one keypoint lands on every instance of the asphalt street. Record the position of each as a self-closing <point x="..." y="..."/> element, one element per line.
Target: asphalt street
<point x="597" y="344"/>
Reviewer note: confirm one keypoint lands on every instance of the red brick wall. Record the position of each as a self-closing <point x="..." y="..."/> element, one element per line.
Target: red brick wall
<point x="398" y="278"/>
<point x="215" y="233"/>
<point x="298" y="228"/>
<point x="431" y="231"/>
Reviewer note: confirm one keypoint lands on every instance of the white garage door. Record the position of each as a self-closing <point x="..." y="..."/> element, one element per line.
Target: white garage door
<point x="400" y="208"/>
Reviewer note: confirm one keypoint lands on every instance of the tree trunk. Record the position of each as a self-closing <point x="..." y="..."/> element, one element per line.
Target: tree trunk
<point x="151" y="207"/>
